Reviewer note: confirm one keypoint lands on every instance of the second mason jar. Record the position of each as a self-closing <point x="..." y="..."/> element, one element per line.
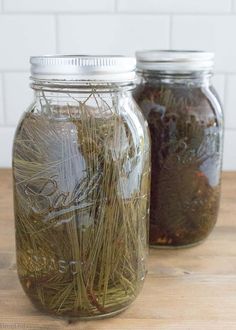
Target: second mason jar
<point x="81" y="187"/>
<point x="185" y="120"/>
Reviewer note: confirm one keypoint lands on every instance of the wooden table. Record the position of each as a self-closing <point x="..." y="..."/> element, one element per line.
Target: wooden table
<point x="192" y="288"/>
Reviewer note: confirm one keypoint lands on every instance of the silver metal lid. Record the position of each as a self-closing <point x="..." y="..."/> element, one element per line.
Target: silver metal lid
<point x="83" y="67"/>
<point x="174" y="60"/>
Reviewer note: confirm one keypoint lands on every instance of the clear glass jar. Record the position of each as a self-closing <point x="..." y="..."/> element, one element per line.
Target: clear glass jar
<point x="81" y="187"/>
<point x="186" y="126"/>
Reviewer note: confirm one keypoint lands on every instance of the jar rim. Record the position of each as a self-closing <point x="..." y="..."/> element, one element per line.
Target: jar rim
<point x="175" y="60"/>
<point x="110" y="68"/>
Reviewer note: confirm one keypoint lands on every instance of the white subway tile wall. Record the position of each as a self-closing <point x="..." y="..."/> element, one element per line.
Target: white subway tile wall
<point x="174" y="6"/>
<point x="115" y="33"/>
<point x="230" y="113"/>
<point x="31" y="27"/>
<point x="229" y="162"/>
<point x="219" y="84"/>
<point x="210" y="33"/>
<point x="59" y="6"/>
<point x="18" y="96"/>
<point x="1" y="101"/>
<point x="22" y="35"/>
<point x="6" y="139"/>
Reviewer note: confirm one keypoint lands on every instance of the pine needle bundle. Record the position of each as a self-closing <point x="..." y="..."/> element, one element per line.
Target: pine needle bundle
<point x="186" y="135"/>
<point x="81" y="177"/>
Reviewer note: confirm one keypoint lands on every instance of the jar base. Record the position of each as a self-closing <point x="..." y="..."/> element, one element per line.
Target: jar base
<point x="80" y="318"/>
<point x="93" y="317"/>
<point x="176" y="247"/>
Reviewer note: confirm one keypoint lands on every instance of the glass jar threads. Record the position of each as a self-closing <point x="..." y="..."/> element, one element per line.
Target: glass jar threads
<point x="81" y="187"/>
<point x="185" y="120"/>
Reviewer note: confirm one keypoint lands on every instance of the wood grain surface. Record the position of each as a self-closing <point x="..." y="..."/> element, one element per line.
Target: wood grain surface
<point x="192" y="288"/>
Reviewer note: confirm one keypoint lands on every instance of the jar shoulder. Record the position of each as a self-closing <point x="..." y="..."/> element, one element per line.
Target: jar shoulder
<point x="202" y="101"/>
<point x="101" y="116"/>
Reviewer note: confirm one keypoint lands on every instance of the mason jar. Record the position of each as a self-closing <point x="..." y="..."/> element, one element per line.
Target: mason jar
<point x="184" y="115"/>
<point x="81" y="187"/>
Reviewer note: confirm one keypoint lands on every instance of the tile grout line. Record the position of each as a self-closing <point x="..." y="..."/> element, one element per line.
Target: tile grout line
<point x="50" y="13"/>
<point x="131" y="13"/>
<point x="226" y="84"/>
<point x="14" y="71"/>
<point x="170" y="31"/>
<point x="116" y="6"/>
<point x="56" y="33"/>
<point x="230" y="129"/>
<point x="8" y="126"/>
<point x="4" y="99"/>
<point x="166" y="13"/>
<point x="232" y="6"/>
<point x="225" y="104"/>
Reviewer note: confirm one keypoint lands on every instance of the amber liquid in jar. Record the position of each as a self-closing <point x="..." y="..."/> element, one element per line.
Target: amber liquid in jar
<point x="81" y="169"/>
<point x="185" y="122"/>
